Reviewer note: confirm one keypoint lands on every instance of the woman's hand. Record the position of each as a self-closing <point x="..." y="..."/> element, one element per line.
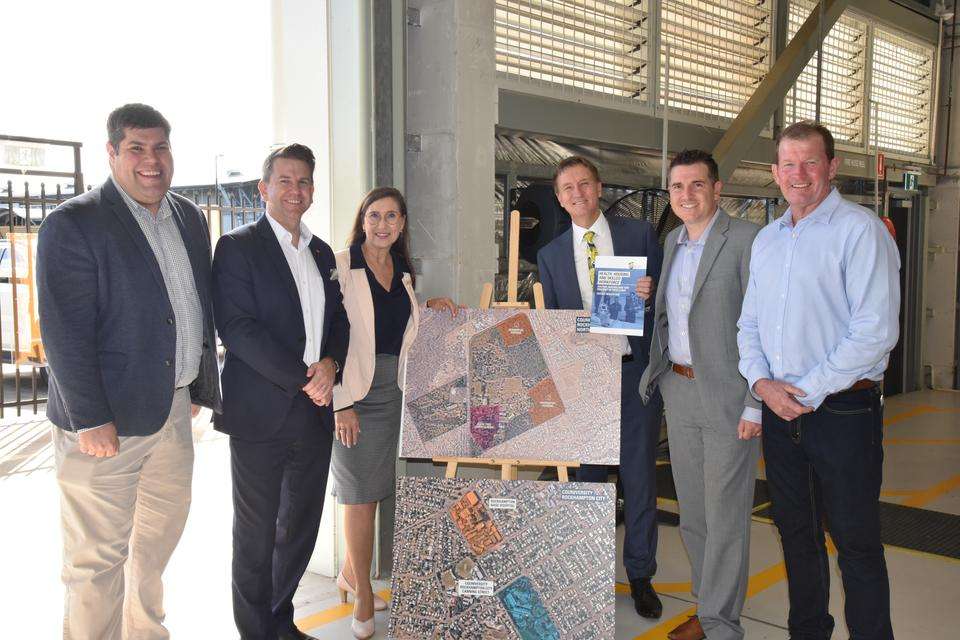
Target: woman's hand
<point x="347" y="429"/>
<point x="444" y="303"/>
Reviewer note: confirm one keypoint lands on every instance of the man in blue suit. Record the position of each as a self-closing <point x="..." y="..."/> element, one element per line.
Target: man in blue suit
<point x="280" y="315"/>
<point x="566" y="268"/>
<point x="123" y="281"/>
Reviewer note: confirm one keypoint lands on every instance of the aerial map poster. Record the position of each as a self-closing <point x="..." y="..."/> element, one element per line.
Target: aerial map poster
<point x="497" y="560"/>
<point x="503" y="383"/>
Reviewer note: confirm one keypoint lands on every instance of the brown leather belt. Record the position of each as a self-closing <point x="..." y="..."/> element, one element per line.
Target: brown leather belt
<point x="859" y="385"/>
<point x="683" y="370"/>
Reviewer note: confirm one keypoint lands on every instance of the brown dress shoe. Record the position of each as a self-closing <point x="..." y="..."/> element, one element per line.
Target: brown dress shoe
<point x="689" y="630"/>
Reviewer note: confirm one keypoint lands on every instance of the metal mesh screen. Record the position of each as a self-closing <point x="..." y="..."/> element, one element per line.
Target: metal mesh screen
<point x="842" y="106"/>
<point x="592" y="45"/>
<point x="901" y="89"/>
<point x="718" y="53"/>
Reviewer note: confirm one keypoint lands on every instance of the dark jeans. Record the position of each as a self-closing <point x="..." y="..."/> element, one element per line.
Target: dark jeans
<point x="829" y="465"/>
<point x="278" y="491"/>
<point x="639" y="434"/>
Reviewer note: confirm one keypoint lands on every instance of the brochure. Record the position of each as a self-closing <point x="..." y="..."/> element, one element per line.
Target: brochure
<point x="616" y="306"/>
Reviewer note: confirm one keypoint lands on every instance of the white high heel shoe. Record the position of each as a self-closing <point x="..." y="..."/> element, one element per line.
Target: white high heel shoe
<point x="379" y="604"/>
<point x="363" y="630"/>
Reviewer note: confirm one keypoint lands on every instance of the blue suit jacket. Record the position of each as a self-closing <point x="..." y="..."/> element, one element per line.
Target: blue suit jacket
<point x="260" y="321"/>
<point x="107" y="322"/>
<point x="558" y="273"/>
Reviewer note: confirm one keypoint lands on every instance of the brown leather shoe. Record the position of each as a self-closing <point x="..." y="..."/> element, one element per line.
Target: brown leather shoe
<point x="689" y="630"/>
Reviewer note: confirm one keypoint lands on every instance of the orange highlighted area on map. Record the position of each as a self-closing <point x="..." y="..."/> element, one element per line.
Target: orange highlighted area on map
<point x="474" y="521"/>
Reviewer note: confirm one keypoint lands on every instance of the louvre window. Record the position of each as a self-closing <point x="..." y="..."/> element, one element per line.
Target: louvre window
<point x="901" y="88"/>
<point x="591" y="45"/>
<point x="842" y="106"/>
<point x="719" y="52"/>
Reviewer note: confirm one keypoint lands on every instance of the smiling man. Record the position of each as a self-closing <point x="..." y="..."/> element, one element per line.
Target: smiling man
<point x="712" y="420"/>
<point x="566" y="271"/>
<point x="280" y="315"/>
<point x="123" y="280"/>
<point x="819" y="320"/>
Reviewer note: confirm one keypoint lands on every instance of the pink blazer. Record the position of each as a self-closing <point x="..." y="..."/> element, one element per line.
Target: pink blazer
<point x="361" y="356"/>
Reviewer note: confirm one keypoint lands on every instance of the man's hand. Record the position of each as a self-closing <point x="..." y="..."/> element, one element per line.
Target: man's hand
<point x="101" y="442"/>
<point x="645" y="287"/>
<point x="747" y="429"/>
<point x="781" y="398"/>
<point x="348" y="427"/>
<point x="319" y="386"/>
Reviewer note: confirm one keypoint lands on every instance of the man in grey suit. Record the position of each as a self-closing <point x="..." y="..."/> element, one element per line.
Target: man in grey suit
<point x="712" y="419"/>
<point x="123" y="280"/>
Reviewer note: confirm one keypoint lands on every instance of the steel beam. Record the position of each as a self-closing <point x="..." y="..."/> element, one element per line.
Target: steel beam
<point x="768" y="96"/>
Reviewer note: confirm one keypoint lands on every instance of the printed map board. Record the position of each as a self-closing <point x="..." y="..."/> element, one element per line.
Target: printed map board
<point x="503" y="383"/>
<point x="503" y="560"/>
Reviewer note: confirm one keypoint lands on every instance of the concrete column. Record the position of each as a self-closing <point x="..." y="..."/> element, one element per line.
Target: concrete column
<point x="451" y="112"/>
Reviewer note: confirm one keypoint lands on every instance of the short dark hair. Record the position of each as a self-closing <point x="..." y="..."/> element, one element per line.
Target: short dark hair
<point x="294" y="151"/>
<point x="575" y="161"/>
<point x="696" y="156"/>
<point x="134" y="116"/>
<point x="801" y="131"/>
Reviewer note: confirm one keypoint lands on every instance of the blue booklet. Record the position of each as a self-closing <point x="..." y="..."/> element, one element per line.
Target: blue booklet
<point x="616" y="306"/>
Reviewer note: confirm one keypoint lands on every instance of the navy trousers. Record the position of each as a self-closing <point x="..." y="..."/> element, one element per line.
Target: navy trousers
<point x="278" y="491"/>
<point x="639" y="435"/>
<point x="828" y="465"/>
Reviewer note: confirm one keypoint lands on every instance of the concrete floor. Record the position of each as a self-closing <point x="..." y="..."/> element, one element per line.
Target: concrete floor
<point x="922" y="469"/>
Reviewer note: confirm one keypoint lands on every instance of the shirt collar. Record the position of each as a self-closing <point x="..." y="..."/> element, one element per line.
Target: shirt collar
<point x="600" y="228"/>
<point x="286" y="238"/>
<point x="165" y="211"/>
<point x="823" y="213"/>
<point x="682" y="239"/>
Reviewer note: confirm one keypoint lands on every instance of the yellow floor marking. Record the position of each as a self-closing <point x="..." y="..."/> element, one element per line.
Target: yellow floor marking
<point x="660" y="587"/>
<point x="332" y="614"/>
<point x="919" y="410"/>
<point x="894" y="493"/>
<point x="925" y="497"/>
<point x="760" y="507"/>
<point x="936" y="441"/>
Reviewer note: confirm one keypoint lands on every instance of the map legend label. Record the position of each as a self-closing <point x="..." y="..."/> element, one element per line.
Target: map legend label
<point x="509" y="504"/>
<point x="474" y="588"/>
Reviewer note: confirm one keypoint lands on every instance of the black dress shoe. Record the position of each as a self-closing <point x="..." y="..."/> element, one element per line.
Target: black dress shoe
<point x="645" y="599"/>
<point x="294" y="634"/>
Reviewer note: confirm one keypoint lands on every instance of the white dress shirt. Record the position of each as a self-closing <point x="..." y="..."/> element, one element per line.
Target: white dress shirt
<point x="306" y="275"/>
<point x="603" y="240"/>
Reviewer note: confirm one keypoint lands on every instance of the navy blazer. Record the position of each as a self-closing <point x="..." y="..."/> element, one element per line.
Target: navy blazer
<point x="107" y="323"/>
<point x="260" y="321"/>
<point x="558" y="273"/>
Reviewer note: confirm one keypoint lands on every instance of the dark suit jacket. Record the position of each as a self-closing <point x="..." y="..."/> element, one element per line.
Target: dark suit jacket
<point x="260" y="321"/>
<point x="558" y="273"/>
<point x="106" y="320"/>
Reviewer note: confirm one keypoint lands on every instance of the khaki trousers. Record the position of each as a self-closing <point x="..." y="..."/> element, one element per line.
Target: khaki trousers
<point x="121" y="519"/>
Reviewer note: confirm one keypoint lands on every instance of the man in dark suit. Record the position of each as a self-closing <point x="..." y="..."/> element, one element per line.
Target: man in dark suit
<point x="566" y="272"/>
<point x="280" y="315"/>
<point x="123" y="281"/>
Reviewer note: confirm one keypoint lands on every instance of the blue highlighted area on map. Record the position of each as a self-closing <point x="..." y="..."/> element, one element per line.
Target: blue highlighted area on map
<point x="531" y="618"/>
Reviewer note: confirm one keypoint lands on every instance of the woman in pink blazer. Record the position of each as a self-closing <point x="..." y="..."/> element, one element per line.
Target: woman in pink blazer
<point x="377" y="283"/>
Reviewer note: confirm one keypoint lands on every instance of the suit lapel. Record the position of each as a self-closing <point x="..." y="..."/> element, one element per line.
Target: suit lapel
<point x="669" y="249"/>
<point x="360" y="284"/>
<point x="130" y="225"/>
<point x="567" y="276"/>
<point x="194" y="253"/>
<point x="271" y="246"/>
<point x="715" y="242"/>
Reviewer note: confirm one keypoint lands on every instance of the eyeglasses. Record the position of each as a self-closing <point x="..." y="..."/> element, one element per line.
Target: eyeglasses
<point x="392" y="218"/>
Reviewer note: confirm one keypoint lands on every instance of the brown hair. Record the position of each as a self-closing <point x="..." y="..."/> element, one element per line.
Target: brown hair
<point x="402" y="246"/>
<point x="293" y="151"/>
<point x="696" y="156"/>
<point x="134" y="116"/>
<point x="575" y="161"/>
<point x="801" y="131"/>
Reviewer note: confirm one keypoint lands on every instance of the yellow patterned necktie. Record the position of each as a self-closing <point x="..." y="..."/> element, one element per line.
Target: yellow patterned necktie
<point x="591" y="255"/>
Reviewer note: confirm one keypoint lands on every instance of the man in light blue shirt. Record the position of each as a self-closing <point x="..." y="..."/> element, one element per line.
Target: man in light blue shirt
<point x="712" y="419"/>
<point x="818" y="322"/>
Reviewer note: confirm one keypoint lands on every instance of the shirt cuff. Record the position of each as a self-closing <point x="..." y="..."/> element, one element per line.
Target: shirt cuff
<point x="752" y="414"/>
<point x="754" y="373"/>
<point x="79" y="431"/>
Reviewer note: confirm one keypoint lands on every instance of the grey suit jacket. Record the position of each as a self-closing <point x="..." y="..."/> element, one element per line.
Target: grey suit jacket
<point x="718" y="292"/>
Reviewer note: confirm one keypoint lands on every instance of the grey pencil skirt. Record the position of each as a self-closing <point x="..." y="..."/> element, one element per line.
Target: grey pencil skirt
<point x="366" y="472"/>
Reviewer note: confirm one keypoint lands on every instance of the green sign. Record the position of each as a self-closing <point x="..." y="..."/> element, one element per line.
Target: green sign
<point x="910" y="181"/>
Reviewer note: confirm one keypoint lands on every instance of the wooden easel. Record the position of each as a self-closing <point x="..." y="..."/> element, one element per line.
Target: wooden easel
<point x="509" y="466"/>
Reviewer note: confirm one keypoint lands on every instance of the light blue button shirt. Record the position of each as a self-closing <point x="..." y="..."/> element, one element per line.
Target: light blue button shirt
<point x="679" y="293"/>
<point x="821" y="309"/>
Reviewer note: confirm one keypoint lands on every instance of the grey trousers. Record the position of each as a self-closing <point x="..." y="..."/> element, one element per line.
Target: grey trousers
<point x="714" y="474"/>
<point x="121" y="519"/>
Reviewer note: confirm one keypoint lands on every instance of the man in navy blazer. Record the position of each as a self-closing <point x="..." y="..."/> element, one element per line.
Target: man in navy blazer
<point x="123" y="281"/>
<point x="565" y="272"/>
<point x="281" y="318"/>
